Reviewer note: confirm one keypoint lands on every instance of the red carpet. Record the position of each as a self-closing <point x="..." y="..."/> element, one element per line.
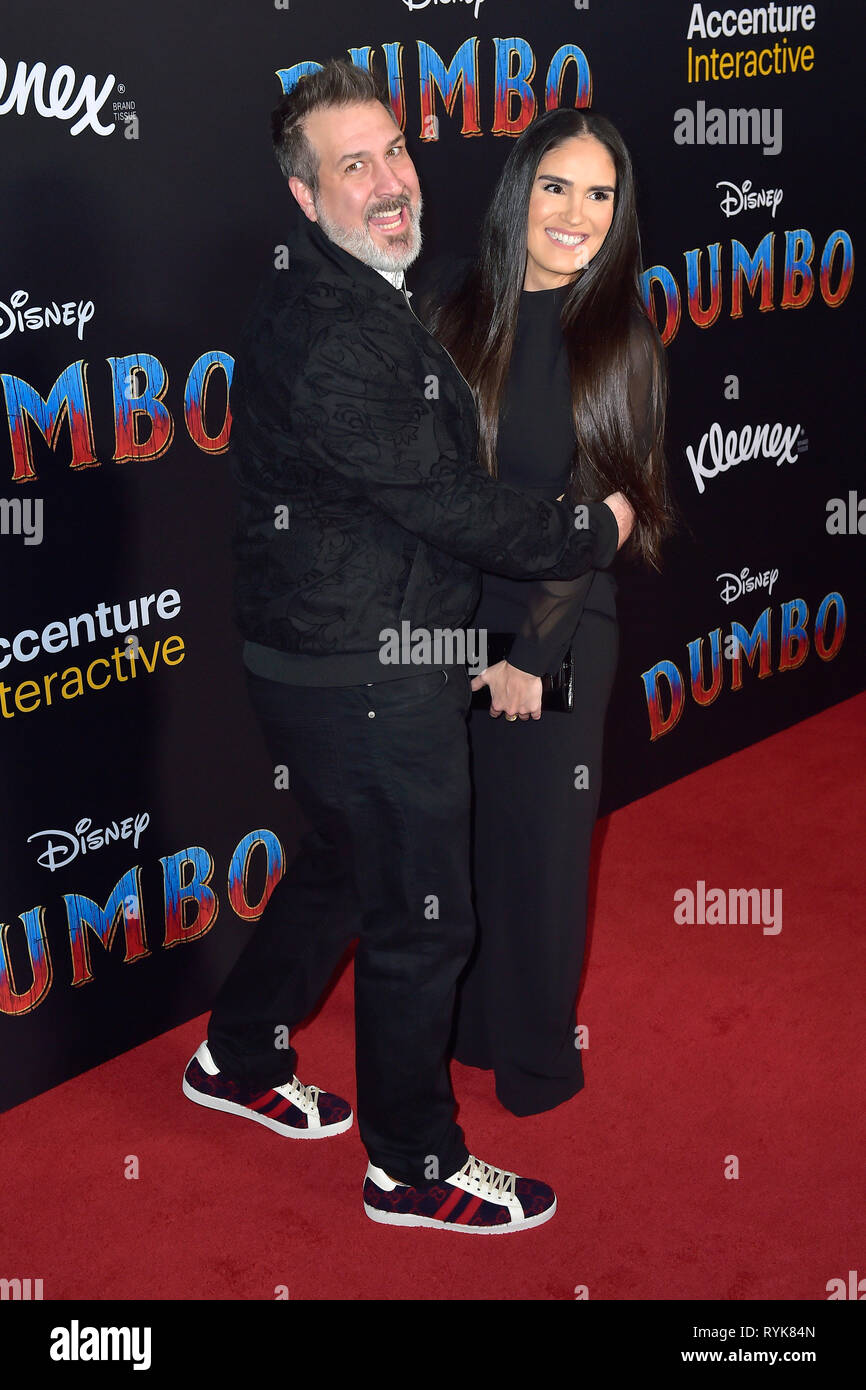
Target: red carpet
<point x="704" y="1041"/>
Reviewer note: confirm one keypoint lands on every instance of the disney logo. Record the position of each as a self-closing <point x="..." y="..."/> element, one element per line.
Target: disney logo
<point x="744" y="583"/>
<point x="736" y="199"/>
<point x="13" y="315"/>
<point x="422" y="4"/>
<point x="65" y="845"/>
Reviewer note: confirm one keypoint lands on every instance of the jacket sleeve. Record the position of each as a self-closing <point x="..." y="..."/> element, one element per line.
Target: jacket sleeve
<point x="361" y="411"/>
<point x="554" y="610"/>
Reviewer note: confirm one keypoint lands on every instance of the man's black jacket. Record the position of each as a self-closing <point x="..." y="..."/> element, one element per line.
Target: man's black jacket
<point x="361" y="501"/>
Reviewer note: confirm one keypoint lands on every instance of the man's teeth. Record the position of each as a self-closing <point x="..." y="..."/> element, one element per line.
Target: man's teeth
<point x="387" y="218"/>
<point x="564" y="239"/>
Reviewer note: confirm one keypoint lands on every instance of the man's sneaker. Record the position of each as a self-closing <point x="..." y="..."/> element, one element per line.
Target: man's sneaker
<point x="300" y="1112"/>
<point x="480" y="1200"/>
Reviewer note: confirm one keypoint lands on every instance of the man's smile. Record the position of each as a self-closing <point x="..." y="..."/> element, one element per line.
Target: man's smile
<point x="391" y="221"/>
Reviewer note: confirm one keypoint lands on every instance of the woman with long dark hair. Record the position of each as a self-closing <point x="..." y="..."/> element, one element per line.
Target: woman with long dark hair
<point x="568" y="374"/>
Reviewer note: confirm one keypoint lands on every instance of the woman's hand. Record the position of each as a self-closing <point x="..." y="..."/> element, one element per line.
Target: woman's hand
<point x="512" y="691"/>
<point x="622" y="510"/>
<point x="624" y="513"/>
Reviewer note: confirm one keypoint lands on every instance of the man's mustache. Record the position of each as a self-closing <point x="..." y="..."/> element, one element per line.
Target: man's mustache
<point x="393" y="206"/>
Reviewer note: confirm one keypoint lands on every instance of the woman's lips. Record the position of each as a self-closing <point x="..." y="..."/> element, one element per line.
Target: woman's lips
<point x="569" y="240"/>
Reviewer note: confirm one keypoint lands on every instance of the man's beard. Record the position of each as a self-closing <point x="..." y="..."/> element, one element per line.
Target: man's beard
<point x="358" y="241"/>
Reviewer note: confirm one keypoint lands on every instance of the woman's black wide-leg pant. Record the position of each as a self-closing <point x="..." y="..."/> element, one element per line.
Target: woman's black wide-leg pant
<point x="532" y="834"/>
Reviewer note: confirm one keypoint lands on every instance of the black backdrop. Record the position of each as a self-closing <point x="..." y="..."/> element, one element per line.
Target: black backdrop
<point x="160" y="230"/>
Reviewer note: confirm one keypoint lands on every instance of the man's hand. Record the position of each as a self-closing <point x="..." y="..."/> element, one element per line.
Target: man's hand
<point x="512" y="691"/>
<point x="624" y="513"/>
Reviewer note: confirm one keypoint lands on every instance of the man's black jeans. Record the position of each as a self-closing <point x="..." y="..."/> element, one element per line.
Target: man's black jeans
<point x="382" y="774"/>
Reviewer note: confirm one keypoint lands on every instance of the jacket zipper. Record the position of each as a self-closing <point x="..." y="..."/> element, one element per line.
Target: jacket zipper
<point x="448" y="355"/>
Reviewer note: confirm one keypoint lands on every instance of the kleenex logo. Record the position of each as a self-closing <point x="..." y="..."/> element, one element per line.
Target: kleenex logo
<point x="61" y="99"/>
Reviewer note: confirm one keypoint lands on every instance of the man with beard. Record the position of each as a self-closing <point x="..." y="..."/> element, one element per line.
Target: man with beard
<point x="362" y="507"/>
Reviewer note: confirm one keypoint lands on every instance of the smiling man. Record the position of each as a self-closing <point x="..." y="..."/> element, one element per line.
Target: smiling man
<point x="348" y="200"/>
<point x="361" y="506"/>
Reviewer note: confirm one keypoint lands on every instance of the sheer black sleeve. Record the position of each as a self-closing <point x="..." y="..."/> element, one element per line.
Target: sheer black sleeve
<point x="554" y="607"/>
<point x="553" y="610"/>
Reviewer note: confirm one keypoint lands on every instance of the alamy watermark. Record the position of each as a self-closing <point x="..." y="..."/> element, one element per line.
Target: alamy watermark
<point x="436" y="647"/>
<point x="22" y="516"/>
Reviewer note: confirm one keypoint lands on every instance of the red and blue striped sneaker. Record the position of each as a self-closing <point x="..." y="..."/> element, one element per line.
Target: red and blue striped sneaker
<point x="480" y="1200"/>
<point x="299" y="1112"/>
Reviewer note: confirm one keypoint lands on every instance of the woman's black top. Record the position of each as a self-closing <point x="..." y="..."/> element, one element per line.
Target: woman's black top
<point x="535" y="453"/>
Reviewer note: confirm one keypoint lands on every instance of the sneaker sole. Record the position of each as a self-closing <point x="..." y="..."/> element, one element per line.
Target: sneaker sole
<point x="231" y="1107"/>
<point x="387" y="1218"/>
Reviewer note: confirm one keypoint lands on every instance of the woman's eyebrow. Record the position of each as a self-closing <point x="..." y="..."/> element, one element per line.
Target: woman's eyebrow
<point x="569" y="183"/>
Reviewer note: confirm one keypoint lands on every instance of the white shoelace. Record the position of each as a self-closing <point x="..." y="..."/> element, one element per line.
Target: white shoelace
<point x="305" y="1097"/>
<point x="487" y="1180"/>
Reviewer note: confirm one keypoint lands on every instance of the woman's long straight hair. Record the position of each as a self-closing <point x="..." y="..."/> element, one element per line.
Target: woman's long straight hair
<point x="601" y="314"/>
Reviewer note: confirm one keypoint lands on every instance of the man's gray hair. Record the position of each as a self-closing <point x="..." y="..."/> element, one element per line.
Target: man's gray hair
<point x="338" y="83"/>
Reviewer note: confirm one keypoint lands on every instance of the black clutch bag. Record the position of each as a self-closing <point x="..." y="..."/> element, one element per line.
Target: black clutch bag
<point x="557" y="690"/>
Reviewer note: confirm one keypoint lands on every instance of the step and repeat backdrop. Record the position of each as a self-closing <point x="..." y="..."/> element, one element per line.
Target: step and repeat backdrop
<point x="143" y="828"/>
